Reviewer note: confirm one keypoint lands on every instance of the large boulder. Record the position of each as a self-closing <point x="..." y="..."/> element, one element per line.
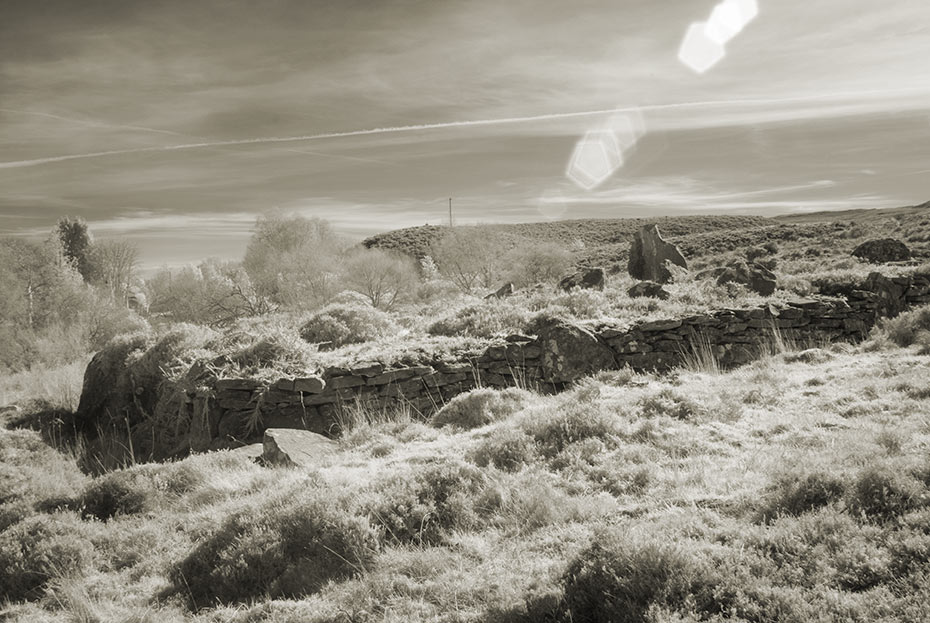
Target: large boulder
<point x="648" y="289"/>
<point x="293" y="447"/>
<point x="649" y="253"/>
<point x="882" y="251"/>
<point x="570" y="351"/>
<point x="757" y="278"/>
<point x="503" y="292"/>
<point x="587" y="278"/>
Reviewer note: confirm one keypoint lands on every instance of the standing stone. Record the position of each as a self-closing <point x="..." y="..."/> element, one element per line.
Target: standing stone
<point x="648" y="254"/>
<point x="587" y="278"/>
<point x="882" y="251"/>
<point x="570" y="351"/>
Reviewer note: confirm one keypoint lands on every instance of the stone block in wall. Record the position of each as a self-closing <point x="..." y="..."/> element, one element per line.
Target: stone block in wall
<point x="651" y="361"/>
<point x="235" y="404"/>
<point x="496" y="353"/>
<point x="342" y="382"/>
<point x="629" y="347"/>
<point x="454" y="368"/>
<point x="736" y="327"/>
<point x="237" y="385"/>
<point x="284" y="385"/>
<point x="699" y="320"/>
<point x="309" y="385"/>
<point x="659" y="325"/>
<point x="366" y="369"/>
<point x="439" y="379"/>
<point x="667" y="346"/>
<point x="402" y="374"/>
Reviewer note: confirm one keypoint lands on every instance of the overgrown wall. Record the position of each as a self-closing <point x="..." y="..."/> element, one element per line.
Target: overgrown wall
<point x="209" y="413"/>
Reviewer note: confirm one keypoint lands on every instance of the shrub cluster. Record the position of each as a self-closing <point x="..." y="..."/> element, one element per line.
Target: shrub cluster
<point x="287" y="547"/>
<point x="480" y="407"/>
<point x="484" y="319"/>
<point x="424" y="507"/>
<point x="40" y="548"/>
<point x="340" y="324"/>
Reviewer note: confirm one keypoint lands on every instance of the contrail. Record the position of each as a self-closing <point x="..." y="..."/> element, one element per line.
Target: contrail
<point x="90" y="122"/>
<point x="436" y="126"/>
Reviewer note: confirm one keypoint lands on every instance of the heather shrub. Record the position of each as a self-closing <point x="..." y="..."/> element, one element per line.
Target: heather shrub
<point x="285" y="547"/>
<point x="616" y="581"/>
<point x="906" y="329"/>
<point x="669" y="402"/>
<point x="798" y="493"/>
<point x="507" y="449"/>
<point x="40" y="548"/>
<point x="340" y="324"/>
<point x="484" y="319"/>
<point x="424" y="506"/>
<point x="556" y="426"/>
<point x="116" y="493"/>
<point x="882" y="494"/>
<point x="480" y="407"/>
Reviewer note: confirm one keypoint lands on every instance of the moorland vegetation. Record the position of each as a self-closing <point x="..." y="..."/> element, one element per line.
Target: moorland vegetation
<point x="795" y="488"/>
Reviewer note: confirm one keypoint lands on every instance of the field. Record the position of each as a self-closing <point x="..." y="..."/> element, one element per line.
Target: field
<point x="793" y="489"/>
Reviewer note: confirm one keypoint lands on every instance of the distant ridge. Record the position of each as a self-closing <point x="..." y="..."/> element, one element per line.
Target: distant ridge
<point x="859" y="215"/>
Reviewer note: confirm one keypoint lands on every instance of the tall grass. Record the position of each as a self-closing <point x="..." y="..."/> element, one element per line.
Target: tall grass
<point x="54" y="387"/>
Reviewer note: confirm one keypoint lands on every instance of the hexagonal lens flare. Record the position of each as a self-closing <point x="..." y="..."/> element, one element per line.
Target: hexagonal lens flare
<point x="699" y="51"/>
<point x="729" y="18"/>
<point x="597" y="155"/>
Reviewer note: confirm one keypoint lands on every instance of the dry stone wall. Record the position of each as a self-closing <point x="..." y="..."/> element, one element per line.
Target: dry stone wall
<point x="228" y="412"/>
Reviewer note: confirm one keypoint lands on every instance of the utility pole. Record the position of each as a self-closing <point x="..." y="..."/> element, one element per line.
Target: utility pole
<point x="450" y="211"/>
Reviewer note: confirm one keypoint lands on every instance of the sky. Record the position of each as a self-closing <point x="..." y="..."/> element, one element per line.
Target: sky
<point x="174" y="123"/>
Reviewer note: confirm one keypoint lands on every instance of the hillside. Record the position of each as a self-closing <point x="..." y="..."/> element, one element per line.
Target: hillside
<point x="593" y="233"/>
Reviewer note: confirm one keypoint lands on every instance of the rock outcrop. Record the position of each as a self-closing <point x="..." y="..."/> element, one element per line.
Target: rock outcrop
<point x="882" y="251"/>
<point x="587" y="278"/>
<point x="648" y="289"/>
<point x="649" y="253"/>
<point x="757" y="278"/>
<point x="570" y="351"/>
<point x="293" y="447"/>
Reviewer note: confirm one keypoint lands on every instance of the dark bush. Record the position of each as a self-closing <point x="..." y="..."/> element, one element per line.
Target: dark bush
<point x="38" y="549"/>
<point x="883" y="494"/>
<point x="116" y="493"/>
<point x="618" y="582"/>
<point x="288" y="547"/>
<point x="423" y="508"/>
<point x="508" y="449"/>
<point x="795" y="494"/>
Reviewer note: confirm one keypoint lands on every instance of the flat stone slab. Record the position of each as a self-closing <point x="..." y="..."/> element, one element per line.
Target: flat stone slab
<point x="293" y="447"/>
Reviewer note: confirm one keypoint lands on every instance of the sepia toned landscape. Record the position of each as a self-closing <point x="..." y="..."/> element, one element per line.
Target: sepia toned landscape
<point x="403" y="311"/>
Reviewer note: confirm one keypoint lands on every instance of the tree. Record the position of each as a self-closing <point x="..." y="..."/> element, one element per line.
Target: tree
<point x="384" y="277"/>
<point x="538" y="263"/>
<point x="293" y="260"/>
<point x="213" y="293"/>
<point x="113" y="266"/>
<point x="470" y="256"/>
<point x="75" y="243"/>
